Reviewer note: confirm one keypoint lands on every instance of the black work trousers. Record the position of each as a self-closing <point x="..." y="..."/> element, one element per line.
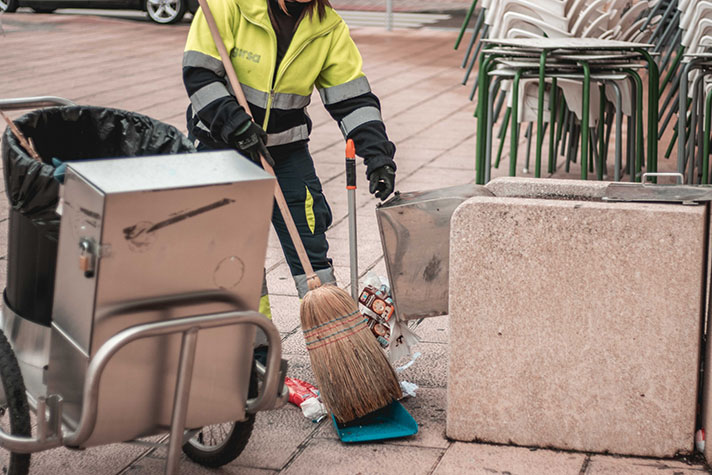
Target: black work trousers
<point x="302" y="190"/>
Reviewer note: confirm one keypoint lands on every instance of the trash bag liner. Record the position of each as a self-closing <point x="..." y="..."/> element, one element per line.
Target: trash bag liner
<point x="69" y="134"/>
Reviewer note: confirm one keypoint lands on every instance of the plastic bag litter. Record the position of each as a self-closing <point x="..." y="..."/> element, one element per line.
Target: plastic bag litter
<point x="377" y="304"/>
<point x="306" y="396"/>
<point x="408" y="388"/>
<point x="314" y="409"/>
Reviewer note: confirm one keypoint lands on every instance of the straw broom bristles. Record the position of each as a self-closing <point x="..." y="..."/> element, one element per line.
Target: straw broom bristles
<point x="353" y="374"/>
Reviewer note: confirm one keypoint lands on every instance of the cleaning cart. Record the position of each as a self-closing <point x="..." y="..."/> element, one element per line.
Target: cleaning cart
<point x="153" y="316"/>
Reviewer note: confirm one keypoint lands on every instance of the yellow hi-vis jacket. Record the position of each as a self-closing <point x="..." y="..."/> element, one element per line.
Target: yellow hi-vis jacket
<point x="321" y="54"/>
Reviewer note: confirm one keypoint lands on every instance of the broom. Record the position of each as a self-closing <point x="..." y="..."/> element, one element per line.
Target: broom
<point x="352" y="372"/>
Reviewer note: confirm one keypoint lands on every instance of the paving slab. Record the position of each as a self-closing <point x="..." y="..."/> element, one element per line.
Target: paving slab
<point x="602" y="465"/>
<point x="300" y="368"/>
<point x="430" y="371"/>
<point x="434" y="330"/>
<point x="294" y="345"/>
<point x="276" y="437"/>
<point x="4" y="205"/>
<point x="105" y="459"/>
<point x="155" y="464"/>
<point x="422" y="179"/>
<point x="280" y="281"/>
<point x="331" y="457"/>
<point x="484" y="459"/>
<point x="285" y="312"/>
<point x="269" y="449"/>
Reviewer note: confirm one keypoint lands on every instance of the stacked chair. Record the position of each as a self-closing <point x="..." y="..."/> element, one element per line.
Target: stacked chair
<point x="572" y="67"/>
<point x="691" y="85"/>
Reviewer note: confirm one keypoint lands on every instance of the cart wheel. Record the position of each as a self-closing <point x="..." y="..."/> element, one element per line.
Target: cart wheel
<point x="14" y="410"/>
<point x="220" y="444"/>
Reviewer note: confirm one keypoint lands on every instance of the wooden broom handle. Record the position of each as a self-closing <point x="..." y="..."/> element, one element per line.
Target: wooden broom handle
<point x="312" y="279"/>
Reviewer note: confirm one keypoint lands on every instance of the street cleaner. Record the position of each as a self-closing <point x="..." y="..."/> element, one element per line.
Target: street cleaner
<point x="281" y="50"/>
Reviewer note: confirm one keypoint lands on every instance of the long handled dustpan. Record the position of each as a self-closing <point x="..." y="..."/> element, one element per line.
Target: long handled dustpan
<point x="392" y="421"/>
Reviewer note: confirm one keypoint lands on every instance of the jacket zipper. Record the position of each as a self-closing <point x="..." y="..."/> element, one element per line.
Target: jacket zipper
<point x="273" y="37"/>
<point x="275" y="75"/>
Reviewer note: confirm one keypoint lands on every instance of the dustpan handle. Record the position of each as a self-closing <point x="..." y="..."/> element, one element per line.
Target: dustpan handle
<point x="312" y="279"/>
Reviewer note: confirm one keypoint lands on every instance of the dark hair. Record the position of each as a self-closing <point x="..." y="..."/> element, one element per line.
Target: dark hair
<point x="318" y="5"/>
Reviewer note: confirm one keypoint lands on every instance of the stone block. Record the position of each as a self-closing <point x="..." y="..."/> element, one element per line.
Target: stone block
<point x="706" y="419"/>
<point x="575" y="324"/>
<point x="550" y="188"/>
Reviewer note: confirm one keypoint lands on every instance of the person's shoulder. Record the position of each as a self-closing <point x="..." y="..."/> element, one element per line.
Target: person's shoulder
<point x="333" y="21"/>
<point x="226" y="5"/>
<point x="332" y="15"/>
<point x="251" y="7"/>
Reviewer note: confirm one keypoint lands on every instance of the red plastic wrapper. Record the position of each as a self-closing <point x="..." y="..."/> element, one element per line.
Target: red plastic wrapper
<point x="300" y="391"/>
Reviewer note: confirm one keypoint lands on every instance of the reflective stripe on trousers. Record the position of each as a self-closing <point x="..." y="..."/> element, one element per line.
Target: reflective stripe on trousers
<point x="309" y="209"/>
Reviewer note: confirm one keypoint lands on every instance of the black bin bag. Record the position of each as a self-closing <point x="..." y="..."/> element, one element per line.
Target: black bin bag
<point x="69" y="134"/>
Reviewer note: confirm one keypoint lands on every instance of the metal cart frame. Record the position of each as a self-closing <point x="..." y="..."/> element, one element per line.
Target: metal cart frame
<point x="52" y="432"/>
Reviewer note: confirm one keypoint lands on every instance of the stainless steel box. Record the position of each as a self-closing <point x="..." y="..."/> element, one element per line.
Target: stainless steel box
<point x="140" y="228"/>
<point x="415" y="235"/>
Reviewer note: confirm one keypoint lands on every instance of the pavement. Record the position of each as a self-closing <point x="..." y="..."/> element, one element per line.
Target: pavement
<point x="124" y="61"/>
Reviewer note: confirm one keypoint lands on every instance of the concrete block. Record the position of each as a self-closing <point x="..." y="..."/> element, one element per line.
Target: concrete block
<point x="524" y="187"/>
<point x="706" y="419"/>
<point x="575" y="324"/>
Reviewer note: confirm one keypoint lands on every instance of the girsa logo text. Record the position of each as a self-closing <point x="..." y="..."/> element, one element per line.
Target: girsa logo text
<point x="248" y="55"/>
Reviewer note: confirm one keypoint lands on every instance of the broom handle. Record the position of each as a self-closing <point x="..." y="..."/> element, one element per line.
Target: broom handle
<point x="27" y="144"/>
<point x="312" y="279"/>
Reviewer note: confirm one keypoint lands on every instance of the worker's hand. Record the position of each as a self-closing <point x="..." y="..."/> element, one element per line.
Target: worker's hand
<point x="382" y="180"/>
<point x="250" y="141"/>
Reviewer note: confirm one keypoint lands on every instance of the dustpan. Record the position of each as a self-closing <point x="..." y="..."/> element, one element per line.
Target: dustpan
<point x="415" y="235"/>
<point x="390" y="422"/>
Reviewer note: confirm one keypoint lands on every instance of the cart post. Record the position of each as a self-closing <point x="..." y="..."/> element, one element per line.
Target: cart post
<point x="180" y="404"/>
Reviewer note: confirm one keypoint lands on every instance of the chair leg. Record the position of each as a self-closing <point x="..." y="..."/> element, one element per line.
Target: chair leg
<point x="553" y="109"/>
<point x="470" y="11"/>
<point x="572" y="147"/>
<point x="502" y="135"/>
<point x="528" y="135"/>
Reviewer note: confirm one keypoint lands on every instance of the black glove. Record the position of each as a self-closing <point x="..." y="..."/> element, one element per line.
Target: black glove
<point x="250" y="141"/>
<point x="382" y="179"/>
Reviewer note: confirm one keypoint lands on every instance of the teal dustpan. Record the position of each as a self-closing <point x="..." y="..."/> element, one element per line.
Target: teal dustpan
<point x="390" y="422"/>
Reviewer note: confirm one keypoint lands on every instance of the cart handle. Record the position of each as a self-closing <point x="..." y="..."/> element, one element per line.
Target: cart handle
<point x="187" y="326"/>
<point x="33" y="102"/>
<point x="273" y="393"/>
